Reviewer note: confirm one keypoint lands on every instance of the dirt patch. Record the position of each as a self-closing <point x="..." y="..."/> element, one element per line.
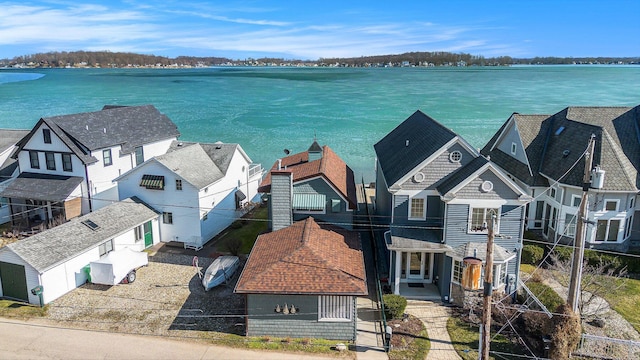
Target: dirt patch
<point x="167" y="298"/>
<point x="405" y="332"/>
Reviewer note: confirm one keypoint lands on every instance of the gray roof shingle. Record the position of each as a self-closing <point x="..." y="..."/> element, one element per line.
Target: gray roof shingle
<point x="54" y="246"/>
<point x="461" y="174"/>
<point x="44" y="187"/>
<point x="409" y="144"/>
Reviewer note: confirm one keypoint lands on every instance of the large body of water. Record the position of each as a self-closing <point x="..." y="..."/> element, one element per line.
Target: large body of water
<point x="268" y="110"/>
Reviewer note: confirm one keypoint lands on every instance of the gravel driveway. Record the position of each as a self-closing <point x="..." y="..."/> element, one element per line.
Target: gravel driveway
<point x="167" y="298"/>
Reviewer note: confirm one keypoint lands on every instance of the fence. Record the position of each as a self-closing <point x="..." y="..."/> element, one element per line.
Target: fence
<point x="600" y="347"/>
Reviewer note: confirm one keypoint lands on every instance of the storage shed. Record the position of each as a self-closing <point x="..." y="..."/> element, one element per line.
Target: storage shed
<point x="54" y="259"/>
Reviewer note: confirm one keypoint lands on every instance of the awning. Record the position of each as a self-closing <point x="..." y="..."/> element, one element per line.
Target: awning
<point x="153" y="182"/>
<point x="309" y="202"/>
<point x="240" y="195"/>
<point x="43" y="187"/>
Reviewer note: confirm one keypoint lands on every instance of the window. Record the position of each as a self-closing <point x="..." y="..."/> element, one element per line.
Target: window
<point x="575" y="200"/>
<point x="553" y="218"/>
<point x="51" y="160"/>
<point x="178" y="184"/>
<point x="46" y="134"/>
<point x="106" y="157"/>
<point x="632" y="202"/>
<point x="570" y="225"/>
<point x="139" y="233"/>
<point x="627" y="227"/>
<point x="33" y="158"/>
<point x="514" y="147"/>
<point x="105" y="248"/>
<point x="552" y="193"/>
<point x="480" y="218"/>
<point x="167" y="218"/>
<point x="457" y="271"/>
<point x="336" y="205"/>
<point x="3" y="202"/>
<point x="538" y="217"/>
<point x="139" y="155"/>
<point x="455" y="156"/>
<point x="205" y="216"/>
<point x="66" y="162"/>
<point x="611" y="205"/>
<point x="417" y="209"/>
<point x="335" y="308"/>
<point x="607" y="230"/>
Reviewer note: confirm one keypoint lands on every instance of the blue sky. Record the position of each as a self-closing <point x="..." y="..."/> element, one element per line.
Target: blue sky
<point x="309" y="29"/>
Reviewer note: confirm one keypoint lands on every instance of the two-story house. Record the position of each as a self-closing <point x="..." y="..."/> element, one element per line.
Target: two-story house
<point x="544" y="154"/>
<point x="199" y="188"/>
<point x="322" y="186"/>
<point x="438" y="195"/>
<point x="67" y="163"/>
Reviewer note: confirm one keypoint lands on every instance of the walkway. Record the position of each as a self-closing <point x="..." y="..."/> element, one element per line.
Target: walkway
<point x="369" y="344"/>
<point x="434" y="316"/>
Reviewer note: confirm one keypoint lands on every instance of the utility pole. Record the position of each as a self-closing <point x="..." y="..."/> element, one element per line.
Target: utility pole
<point x="578" y="245"/>
<point x="485" y="329"/>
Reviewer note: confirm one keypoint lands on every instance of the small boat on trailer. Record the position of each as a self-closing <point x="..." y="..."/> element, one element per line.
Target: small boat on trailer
<point x="220" y="270"/>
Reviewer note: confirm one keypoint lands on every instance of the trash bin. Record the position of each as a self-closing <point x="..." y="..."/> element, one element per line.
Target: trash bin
<point x="87" y="271"/>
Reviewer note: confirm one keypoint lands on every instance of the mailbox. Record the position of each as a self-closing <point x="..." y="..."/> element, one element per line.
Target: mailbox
<point x="37" y="290"/>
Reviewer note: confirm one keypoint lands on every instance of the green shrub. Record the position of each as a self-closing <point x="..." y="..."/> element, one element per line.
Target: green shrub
<point x="546" y="295"/>
<point x="394" y="305"/>
<point x="563" y="253"/>
<point x="532" y="254"/>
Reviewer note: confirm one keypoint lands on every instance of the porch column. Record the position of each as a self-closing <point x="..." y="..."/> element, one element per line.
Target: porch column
<point x="49" y="213"/>
<point x="396" y="283"/>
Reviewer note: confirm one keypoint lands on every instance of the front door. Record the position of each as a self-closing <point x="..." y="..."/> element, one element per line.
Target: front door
<point x="419" y="266"/>
<point x="148" y="235"/>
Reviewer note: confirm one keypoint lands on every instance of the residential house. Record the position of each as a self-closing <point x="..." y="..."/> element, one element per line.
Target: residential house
<point x="8" y="166"/>
<point x="438" y="195"/>
<point x="544" y="154"/>
<point x="55" y="259"/>
<point x="67" y="163"/>
<point x="323" y="186"/>
<point x="199" y="188"/>
<point x="302" y="281"/>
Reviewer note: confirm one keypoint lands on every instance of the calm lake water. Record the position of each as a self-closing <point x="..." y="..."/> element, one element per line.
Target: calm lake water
<point x="268" y="110"/>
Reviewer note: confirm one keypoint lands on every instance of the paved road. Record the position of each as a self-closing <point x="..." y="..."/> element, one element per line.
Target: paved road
<point x="30" y="340"/>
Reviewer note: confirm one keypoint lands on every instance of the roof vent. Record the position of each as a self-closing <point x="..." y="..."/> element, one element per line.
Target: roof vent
<point x="406" y="143"/>
<point x="180" y="144"/>
<point x="86" y="127"/>
<point x="104" y="130"/>
<point x="566" y="153"/>
<point x="560" y="130"/>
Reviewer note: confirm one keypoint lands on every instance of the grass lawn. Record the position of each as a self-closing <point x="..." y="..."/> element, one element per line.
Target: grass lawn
<point x="13" y="309"/>
<point x="625" y="300"/>
<point x="465" y="340"/>
<point x="243" y="232"/>
<point x="304" y="345"/>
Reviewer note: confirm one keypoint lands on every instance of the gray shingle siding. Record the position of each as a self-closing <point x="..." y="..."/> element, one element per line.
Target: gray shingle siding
<point x="439" y="169"/>
<point x="281" y="201"/>
<point x="473" y="190"/>
<point x="264" y="321"/>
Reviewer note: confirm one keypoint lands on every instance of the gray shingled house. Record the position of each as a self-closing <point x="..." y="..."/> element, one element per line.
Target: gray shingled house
<point x="543" y="153"/>
<point x="67" y="163"/>
<point x="437" y="194"/>
<point x="55" y="258"/>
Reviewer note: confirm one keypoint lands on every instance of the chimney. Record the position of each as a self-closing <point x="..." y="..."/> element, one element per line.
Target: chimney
<point x="281" y="203"/>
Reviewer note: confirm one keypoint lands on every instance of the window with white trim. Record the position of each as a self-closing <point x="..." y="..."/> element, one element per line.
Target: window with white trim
<point x="455" y="156"/>
<point x="105" y="247"/>
<point x="417" y="209"/>
<point x="570" y="225"/>
<point x="479" y="219"/>
<point x="627" y="226"/>
<point x="632" y="202"/>
<point x="335" y="308"/>
<point x="139" y="233"/>
<point x="457" y="271"/>
<point x="611" y="205"/>
<point x="575" y="200"/>
<point x="167" y="218"/>
<point x="607" y="230"/>
<point x="106" y="157"/>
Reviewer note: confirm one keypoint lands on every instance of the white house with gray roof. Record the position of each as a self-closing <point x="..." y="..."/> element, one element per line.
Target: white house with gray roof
<point x="67" y="163"/>
<point x="199" y="188"/>
<point x="55" y="259"/>
<point x="543" y="153"/>
<point x="437" y="195"/>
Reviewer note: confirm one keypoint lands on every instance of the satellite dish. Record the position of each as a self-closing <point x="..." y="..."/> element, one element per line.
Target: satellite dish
<point x="286" y="151"/>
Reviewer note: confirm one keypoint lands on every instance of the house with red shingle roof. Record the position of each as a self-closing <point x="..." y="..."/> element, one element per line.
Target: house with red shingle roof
<point x="303" y="281"/>
<point x="321" y="185"/>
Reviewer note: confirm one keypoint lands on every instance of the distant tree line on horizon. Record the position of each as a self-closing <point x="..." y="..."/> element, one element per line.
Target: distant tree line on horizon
<point x="439" y="58"/>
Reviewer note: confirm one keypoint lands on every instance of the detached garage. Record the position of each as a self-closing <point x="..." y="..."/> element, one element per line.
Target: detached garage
<point x="55" y="258"/>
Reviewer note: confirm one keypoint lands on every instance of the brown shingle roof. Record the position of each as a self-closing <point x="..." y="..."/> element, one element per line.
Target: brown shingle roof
<point x="331" y="167"/>
<point x="305" y="258"/>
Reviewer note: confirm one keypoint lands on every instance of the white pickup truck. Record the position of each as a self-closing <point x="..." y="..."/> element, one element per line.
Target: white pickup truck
<point x="118" y="267"/>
